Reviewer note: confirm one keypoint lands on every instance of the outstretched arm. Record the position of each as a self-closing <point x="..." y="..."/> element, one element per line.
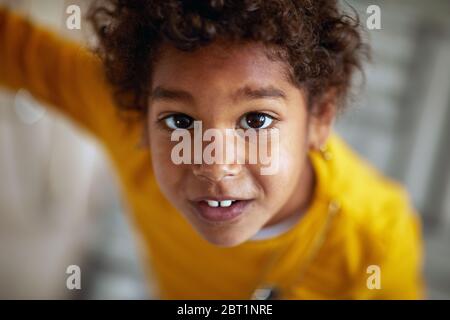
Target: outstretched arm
<point x="59" y="72"/>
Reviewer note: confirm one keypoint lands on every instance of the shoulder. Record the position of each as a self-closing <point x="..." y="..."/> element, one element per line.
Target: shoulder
<point x="376" y="218"/>
<point x="368" y="198"/>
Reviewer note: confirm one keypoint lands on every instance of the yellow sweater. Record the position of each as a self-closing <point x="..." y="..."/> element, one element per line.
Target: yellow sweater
<point x="358" y="219"/>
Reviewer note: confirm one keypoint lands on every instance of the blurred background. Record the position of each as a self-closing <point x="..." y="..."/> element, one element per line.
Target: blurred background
<point x="61" y="206"/>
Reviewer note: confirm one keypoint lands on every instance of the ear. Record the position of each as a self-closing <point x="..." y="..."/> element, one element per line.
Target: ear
<point x="321" y="120"/>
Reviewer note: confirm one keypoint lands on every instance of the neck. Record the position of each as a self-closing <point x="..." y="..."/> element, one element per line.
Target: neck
<point x="301" y="198"/>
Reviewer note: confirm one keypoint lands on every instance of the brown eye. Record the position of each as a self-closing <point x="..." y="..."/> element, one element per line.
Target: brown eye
<point x="179" y="121"/>
<point x="256" y="120"/>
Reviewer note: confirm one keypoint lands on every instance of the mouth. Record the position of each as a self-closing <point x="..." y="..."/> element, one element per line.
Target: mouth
<point x="221" y="210"/>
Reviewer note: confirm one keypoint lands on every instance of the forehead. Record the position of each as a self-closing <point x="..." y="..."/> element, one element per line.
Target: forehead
<point x="218" y="65"/>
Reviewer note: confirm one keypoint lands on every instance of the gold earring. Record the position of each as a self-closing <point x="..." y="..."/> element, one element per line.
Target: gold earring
<point x="326" y="153"/>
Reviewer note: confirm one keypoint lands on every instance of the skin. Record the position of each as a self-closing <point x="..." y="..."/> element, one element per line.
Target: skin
<point x="209" y="79"/>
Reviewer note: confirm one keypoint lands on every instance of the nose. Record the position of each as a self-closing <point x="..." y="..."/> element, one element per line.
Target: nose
<point x="216" y="172"/>
<point x="224" y="164"/>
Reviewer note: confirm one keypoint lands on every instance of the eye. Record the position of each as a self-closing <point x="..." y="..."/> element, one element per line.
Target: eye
<point x="179" y="121"/>
<point x="256" y="120"/>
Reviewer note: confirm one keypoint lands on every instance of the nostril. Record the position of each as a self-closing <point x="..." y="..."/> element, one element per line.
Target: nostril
<point x="215" y="172"/>
<point x="210" y="177"/>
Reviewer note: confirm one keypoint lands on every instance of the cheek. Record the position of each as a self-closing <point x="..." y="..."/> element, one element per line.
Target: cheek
<point x="292" y="153"/>
<point x="291" y="162"/>
<point x="168" y="175"/>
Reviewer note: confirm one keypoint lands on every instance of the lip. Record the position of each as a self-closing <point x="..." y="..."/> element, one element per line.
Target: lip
<point x="220" y="198"/>
<point x="221" y="214"/>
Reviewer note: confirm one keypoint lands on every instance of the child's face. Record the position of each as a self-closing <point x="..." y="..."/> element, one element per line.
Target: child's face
<point x="220" y="87"/>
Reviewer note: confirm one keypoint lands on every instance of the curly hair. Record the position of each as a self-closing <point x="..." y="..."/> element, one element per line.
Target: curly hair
<point x="321" y="45"/>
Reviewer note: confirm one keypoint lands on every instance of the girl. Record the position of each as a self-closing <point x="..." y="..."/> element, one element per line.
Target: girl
<point x="324" y="225"/>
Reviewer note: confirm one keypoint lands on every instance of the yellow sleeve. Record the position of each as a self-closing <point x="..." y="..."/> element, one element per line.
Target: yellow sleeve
<point x="56" y="71"/>
<point x="401" y="258"/>
<point x="401" y="271"/>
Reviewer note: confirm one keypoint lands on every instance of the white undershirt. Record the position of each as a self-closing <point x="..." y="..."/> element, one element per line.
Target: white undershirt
<point x="276" y="229"/>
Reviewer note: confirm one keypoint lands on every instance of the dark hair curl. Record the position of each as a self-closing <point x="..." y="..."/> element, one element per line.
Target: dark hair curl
<point x="321" y="45"/>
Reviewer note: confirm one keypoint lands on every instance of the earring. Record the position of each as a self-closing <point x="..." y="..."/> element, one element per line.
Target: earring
<point x="326" y="153"/>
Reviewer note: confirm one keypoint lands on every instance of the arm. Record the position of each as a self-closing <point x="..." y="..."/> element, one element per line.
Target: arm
<point x="56" y="71"/>
<point x="399" y="255"/>
<point x="377" y="258"/>
<point x="401" y="270"/>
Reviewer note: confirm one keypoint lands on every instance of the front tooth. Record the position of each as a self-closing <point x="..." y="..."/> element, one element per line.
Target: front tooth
<point x="213" y="203"/>
<point x="226" y="203"/>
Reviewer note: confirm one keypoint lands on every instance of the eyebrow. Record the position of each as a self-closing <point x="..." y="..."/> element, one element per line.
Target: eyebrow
<point x="244" y="93"/>
<point x="160" y="93"/>
<point x="269" y="92"/>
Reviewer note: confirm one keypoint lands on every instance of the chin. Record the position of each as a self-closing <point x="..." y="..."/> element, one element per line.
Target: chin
<point x="226" y="236"/>
<point x="225" y="241"/>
